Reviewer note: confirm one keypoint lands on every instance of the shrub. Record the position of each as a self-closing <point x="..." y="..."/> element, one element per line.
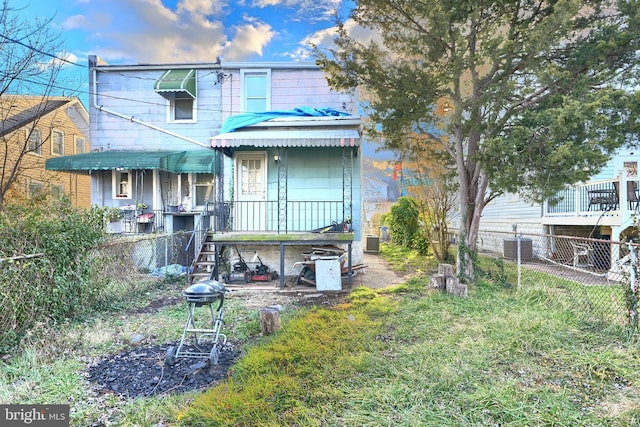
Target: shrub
<point x="45" y="268"/>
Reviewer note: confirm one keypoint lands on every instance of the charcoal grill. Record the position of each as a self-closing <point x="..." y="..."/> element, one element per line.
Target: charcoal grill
<point x="207" y="342"/>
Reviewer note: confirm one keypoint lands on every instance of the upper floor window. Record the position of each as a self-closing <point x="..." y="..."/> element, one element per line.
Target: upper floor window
<point x="80" y="145"/>
<point x="57" y="143"/>
<point x="34" y="141"/>
<point x="256" y="90"/>
<point x="181" y="108"/>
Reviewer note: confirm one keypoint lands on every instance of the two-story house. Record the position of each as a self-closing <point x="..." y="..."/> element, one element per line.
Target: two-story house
<point x="34" y="129"/>
<point x="252" y="155"/>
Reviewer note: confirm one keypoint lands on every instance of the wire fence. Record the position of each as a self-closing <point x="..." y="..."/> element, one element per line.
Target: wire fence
<point x="594" y="278"/>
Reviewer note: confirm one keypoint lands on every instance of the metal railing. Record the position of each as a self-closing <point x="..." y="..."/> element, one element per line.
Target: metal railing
<point x="610" y="196"/>
<point x="194" y="245"/>
<point x="264" y="216"/>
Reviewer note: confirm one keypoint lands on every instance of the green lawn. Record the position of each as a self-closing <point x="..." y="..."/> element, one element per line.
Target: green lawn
<point x="404" y="356"/>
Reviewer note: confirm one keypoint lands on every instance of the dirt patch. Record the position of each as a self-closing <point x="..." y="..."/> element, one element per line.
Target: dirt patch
<point x="142" y="371"/>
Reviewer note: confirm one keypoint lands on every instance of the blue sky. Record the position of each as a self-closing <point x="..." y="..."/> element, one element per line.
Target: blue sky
<point x="180" y="31"/>
<point x="183" y="31"/>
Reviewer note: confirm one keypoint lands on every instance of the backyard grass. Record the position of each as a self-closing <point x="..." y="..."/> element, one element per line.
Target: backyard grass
<point x="402" y="356"/>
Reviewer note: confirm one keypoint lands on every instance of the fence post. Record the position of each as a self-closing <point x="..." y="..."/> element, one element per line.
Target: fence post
<point x="633" y="296"/>
<point x="519" y="263"/>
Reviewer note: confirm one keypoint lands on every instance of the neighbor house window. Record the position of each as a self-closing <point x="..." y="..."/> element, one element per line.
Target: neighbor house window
<point x="34" y="141"/>
<point x="121" y="184"/>
<point x="204" y="183"/>
<point x="35" y="188"/>
<point x="80" y="145"/>
<point x="57" y="191"/>
<point x="57" y="143"/>
<point x="182" y="108"/>
<point x="256" y="90"/>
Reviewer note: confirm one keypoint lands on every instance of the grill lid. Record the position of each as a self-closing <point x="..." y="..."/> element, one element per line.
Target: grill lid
<point x="205" y="288"/>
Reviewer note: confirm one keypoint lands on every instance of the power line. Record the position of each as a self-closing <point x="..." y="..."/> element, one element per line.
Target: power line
<point x="41" y="51"/>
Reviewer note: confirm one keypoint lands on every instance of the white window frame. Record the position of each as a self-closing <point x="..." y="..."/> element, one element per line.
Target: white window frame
<point x="117" y="179"/>
<point x="29" y="134"/>
<point x="171" y="110"/>
<point x="53" y="133"/>
<point x="211" y="185"/>
<point x="76" y="140"/>
<point x="244" y="74"/>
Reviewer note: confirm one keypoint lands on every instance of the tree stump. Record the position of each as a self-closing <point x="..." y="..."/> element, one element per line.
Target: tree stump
<point x="269" y="320"/>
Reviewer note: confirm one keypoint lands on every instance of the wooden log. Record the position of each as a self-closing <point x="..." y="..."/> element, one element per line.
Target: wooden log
<point x="269" y="320"/>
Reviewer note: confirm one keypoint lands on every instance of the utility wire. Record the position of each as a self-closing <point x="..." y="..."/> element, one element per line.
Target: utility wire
<point x="41" y="51"/>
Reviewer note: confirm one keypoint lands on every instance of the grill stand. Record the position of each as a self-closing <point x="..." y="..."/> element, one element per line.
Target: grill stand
<point x="194" y="300"/>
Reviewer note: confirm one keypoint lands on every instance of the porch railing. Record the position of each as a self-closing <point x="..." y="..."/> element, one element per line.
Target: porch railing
<point x="272" y="216"/>
<point x="595" y="198"/>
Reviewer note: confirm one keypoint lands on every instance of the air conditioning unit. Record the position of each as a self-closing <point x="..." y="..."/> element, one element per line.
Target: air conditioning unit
<point x="372" y="244"/>
<point x="511" y="249"/>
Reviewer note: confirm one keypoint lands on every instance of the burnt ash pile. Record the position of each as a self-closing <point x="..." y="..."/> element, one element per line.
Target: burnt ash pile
<point x="142" y="372"/>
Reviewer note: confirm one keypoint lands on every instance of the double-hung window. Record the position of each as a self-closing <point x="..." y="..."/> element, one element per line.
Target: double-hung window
<point x="256" y="90"/>
<point x="34" y="141"/>
<point x="121" y="184"/>
<point x="80" y="145"/>
<point x="57" y="143"/>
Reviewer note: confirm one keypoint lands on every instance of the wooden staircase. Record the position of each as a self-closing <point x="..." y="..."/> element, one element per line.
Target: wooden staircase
<point x="203" y="265"/>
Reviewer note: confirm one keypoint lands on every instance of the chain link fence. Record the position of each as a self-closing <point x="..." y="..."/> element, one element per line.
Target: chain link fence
<point x="594" y="278"/>
<point x="31" y="290"/>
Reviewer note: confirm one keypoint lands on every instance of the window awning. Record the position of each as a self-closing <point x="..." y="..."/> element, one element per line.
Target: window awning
<point x="177" y="81"/>
<point x="199" y="161"/>
<point x="287" y="138"/>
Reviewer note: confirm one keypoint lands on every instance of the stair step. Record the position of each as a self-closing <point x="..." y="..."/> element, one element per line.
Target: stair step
<point x="205" y="263"/>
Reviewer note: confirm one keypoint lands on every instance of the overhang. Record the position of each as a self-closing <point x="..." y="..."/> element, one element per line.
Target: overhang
<point x="177" y="81"/>
<point x="287" y="138"/>
<point x="200" y="161"/>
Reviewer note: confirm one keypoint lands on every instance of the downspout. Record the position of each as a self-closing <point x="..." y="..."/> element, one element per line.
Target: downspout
<point x="133" y="119"/>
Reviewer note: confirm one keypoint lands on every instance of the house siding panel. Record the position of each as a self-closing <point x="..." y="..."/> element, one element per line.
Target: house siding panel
<point x="67" y="120"/>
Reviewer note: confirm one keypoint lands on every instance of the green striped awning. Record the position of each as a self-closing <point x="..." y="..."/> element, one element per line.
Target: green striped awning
<point x="197" y="161"/>
<point x="177" y="81"/>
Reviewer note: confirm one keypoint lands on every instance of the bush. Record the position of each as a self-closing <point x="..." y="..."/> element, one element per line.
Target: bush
<point x="45" y="268"/>
<point x="403" y="221"/>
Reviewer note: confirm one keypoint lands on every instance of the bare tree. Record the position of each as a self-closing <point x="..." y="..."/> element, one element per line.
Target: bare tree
<point x="29" y="67"/>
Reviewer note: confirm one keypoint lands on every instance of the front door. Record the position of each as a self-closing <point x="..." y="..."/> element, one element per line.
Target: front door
<point x="250" y="213"/>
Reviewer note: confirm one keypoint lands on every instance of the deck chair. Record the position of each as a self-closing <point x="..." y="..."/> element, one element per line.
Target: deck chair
<point x="582" y="255"/>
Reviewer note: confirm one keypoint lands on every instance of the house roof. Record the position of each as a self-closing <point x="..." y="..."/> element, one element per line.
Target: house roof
<point x="17" y="111"/>
<point x="199" y="161"/>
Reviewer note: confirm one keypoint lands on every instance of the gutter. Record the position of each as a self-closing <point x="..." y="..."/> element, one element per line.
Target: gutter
<point x="133" y="119"/>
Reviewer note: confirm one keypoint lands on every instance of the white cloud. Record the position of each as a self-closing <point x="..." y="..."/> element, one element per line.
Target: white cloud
<point x="145" y="31"/>
<point x="75" y="22"/>
<point x="304" y="10"/>
<point x="249" y="39"/>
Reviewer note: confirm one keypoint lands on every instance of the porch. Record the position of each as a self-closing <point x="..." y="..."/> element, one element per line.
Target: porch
<point x="610" y="202"/>
<point x="277" y="226"/>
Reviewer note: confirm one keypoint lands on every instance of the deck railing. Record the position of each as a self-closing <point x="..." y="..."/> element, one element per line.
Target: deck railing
<point x="613" y="196"/>
<point x="272" y="216"/>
